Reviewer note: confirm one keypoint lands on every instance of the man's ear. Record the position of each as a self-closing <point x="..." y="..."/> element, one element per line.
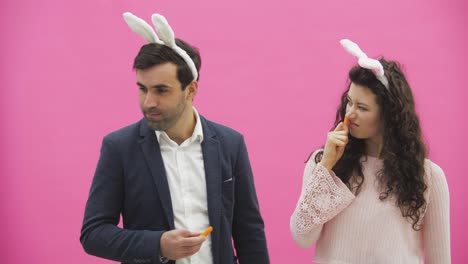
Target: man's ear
<point x="192" y="90"/>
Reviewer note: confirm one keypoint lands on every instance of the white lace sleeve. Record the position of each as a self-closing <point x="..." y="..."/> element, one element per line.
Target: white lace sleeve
<point x="323" y="196"/>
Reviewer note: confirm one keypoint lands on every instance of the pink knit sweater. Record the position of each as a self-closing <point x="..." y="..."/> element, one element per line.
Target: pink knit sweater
<point x="363" y="229"/>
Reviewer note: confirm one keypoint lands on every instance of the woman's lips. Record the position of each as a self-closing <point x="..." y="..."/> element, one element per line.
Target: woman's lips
<point x="351" y="123"/>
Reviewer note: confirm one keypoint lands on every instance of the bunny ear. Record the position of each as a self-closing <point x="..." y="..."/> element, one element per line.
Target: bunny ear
<point x="166" y="34"/>
<point x="352" y="48"/>
<point x="140" y="27"/>
<point x="376" y="67"/>
<point x="373" y="65"/>
<point x="164" y="30"/>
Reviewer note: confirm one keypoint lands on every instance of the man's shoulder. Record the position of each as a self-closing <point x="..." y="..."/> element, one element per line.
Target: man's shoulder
<point x="220" y="130"/>
<point x="126" y="132"/>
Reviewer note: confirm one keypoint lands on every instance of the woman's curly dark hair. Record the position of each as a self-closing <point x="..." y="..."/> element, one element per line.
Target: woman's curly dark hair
<point x="403" y="152"/>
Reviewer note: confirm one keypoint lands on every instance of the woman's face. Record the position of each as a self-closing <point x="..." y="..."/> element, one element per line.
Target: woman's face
<point x="363" y="113"/>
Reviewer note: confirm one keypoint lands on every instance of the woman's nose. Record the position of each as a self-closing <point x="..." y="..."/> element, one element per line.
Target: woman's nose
<point x="350" y="113"/>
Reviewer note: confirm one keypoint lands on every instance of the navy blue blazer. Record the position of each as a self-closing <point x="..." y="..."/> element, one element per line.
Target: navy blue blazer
<point x="130" y="180"/>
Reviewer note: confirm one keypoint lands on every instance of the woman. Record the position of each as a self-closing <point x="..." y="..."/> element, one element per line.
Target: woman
<point x="371" y="195"/>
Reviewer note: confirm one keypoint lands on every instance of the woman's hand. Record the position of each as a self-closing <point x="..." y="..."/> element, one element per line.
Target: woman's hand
<point x="335" y="145"/>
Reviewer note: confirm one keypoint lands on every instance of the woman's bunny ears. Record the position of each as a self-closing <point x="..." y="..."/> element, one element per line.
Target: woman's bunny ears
<point x="374" y="65"/>
<point x="165" y="32"/>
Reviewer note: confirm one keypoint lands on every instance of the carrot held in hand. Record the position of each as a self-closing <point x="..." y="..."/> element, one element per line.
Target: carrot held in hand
<point x="207" y="231"/>
<point x="346" y="121"/>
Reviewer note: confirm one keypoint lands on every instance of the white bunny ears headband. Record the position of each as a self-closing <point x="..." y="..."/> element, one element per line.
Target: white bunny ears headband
<point x="365" y="62"/>
<point x="165" y="32"/>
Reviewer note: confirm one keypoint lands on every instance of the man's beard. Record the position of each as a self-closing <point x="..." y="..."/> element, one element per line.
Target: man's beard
<point x="167" y="119"/>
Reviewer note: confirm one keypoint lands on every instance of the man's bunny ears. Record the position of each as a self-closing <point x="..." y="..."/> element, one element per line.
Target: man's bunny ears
<point x="374" y="65"/>
<point x="165" y="32"/>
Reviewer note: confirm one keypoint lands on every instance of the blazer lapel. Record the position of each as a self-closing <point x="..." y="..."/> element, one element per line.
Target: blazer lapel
<point x="150" y="147"/>
<point x="211" y="152"/>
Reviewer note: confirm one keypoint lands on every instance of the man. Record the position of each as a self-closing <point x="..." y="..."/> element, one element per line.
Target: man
<point x="171" y="175"/>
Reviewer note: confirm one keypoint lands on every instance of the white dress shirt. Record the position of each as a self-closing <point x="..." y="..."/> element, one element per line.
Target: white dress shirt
<point x="185" y="173"/>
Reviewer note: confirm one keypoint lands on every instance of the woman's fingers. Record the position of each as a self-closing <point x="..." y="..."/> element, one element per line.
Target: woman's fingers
<point x="338" y="142"/>
<point x="338" y="138"/>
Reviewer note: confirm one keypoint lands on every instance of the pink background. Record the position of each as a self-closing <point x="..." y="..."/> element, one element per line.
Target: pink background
<point x="273" y="70"/>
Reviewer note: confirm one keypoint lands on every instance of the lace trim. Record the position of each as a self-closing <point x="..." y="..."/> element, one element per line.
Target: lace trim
<point x="322" y="200"/>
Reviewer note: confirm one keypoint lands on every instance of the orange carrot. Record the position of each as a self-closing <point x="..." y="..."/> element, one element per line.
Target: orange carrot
<point x="346" y="121"/>
<point x="207" y="231"/>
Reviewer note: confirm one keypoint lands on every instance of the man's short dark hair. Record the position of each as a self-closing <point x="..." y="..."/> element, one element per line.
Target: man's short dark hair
<point x="155" y="54"/>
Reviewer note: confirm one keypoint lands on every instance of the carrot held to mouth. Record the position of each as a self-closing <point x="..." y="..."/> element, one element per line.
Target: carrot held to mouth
<point x="346" y="121"/>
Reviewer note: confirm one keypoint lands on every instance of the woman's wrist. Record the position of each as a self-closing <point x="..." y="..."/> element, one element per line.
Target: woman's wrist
<point x="326" y="164"/>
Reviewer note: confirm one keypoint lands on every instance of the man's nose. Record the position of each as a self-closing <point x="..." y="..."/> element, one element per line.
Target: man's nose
<point x="151" y="100"/>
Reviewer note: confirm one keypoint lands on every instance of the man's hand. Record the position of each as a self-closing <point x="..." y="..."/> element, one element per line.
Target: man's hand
<point x="177" y="244"/>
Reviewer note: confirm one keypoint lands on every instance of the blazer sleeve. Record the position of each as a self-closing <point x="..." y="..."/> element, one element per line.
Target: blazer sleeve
<point x="247" y="227"/>
<point x="323" y="196"/>
<point x="100" y="235"/>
